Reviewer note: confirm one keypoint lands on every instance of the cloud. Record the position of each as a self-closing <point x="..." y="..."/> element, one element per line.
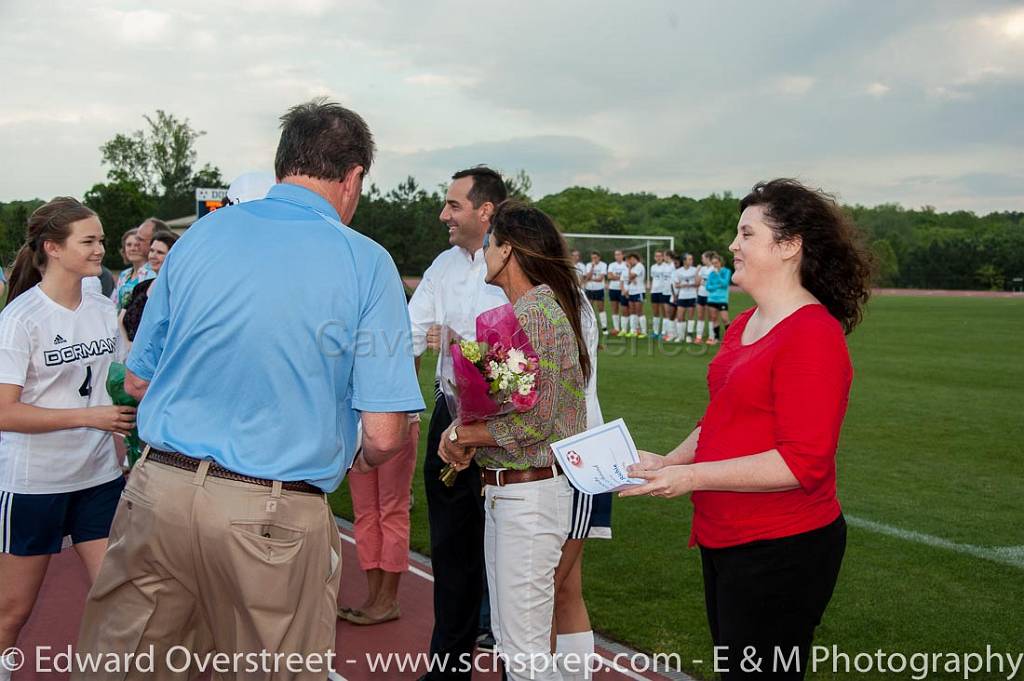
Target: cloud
<point x="140" y="27"/>
<point x="795" y="85"/>
<point x="1008" y="25"/>
<point x="552" y="161"/>
<point x="878" y="89"/>
<point x="662" y="96"/>
<point x="436" y="80"/>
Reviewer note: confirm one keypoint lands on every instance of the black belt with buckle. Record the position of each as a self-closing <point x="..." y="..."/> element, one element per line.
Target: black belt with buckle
<point x="179" y="460"/>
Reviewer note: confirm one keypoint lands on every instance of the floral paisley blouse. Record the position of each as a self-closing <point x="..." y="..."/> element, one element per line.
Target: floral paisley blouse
<point x="560" y="411"/>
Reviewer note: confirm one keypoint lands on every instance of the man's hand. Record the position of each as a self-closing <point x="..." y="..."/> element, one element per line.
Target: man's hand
<point x="434" y="337"/>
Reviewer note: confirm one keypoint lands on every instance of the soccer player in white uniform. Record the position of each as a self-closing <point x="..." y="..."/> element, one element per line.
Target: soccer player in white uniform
<point x="617" y="296"/>
<point x="59" y="472"/>
<point x="581" y="269"/>
<point x="684" y="282"/>
<point x="636" y="284"/>
<point x="594" y="276"/>
<point x="661" y="293"/>
<point x="702" y="296"/>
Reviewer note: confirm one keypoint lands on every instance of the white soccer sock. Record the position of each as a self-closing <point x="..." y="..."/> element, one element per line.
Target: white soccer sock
<point x="643" y="324"/>
<point x="574" y="651"/>
<point x="711" y="331"/>
<point x="604" y="321"/>
<point x="689" y="327"/>
<point x="632" y="323"/>
<point x="700" y="328"/>
<point x="657" y="325"/>
<point x="679" y="329"/>
<point x="616" y="322"/>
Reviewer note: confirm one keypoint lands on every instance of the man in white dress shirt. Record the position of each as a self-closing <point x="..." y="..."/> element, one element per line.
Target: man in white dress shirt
<point x="452" y="293"/>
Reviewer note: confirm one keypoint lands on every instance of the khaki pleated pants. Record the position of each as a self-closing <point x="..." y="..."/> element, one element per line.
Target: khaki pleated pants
<point x="199" y="565"/>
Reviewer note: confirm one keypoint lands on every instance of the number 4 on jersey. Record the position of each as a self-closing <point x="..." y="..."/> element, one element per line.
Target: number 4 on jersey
<point x="86" y="388"/>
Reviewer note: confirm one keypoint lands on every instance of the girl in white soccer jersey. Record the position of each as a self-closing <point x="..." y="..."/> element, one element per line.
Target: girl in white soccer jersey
<point x="661" y="293"/>
<point x="618" y="270"/>
<point x="594" y="278"/>
<point x="636" y="285"/>
<point x="684" y="282"/>
<point x="702" y="296"/>
<point x="59" y="474"/>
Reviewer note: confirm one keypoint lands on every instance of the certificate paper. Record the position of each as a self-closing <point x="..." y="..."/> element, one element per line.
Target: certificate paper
<point x="595" y="461"/>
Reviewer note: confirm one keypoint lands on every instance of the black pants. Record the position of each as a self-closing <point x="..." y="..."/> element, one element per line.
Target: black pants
<point x="765" y="598"/>
<point x="456" y="517"/>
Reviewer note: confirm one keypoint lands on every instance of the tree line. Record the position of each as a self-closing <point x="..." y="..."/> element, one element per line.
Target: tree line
<point x="152" y="171"/>
<point x="912" y="248"/>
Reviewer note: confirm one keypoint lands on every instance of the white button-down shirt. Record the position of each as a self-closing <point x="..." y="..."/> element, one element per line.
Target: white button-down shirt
<point x="452" y="293"/>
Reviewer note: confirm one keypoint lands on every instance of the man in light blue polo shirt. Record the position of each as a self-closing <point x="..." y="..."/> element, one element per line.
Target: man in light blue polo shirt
<point x="252" y="396"/>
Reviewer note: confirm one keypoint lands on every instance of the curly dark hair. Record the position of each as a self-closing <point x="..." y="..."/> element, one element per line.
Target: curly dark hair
<point x="836" y="265"/>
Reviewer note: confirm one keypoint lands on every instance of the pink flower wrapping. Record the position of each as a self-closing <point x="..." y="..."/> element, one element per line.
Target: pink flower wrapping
<point x="470" y="393"/>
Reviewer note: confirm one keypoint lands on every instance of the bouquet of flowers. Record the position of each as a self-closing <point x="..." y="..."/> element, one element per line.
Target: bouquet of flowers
<point x="491" y="376"/>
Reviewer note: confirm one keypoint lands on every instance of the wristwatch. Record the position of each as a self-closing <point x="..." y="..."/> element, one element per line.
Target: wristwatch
<point x="453" y="434"/>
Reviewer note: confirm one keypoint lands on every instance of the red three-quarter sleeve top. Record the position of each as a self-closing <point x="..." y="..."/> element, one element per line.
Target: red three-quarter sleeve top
<point x="787" y="391"/>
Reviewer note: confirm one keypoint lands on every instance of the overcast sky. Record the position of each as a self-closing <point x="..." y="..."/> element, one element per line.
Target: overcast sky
<point x="919" y="103"/>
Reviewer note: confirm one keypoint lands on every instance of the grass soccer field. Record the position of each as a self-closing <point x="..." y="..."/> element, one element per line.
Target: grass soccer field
<point x="931" y="465"/>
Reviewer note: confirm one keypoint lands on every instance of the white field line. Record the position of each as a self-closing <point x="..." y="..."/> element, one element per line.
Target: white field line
<point x="430" y="578"/>
<point x="1005" y="555"/>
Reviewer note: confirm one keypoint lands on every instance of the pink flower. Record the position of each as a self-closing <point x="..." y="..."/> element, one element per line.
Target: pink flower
<point x="524" y="402"/>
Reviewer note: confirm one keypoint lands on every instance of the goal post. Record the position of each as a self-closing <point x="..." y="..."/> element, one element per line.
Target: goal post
<point x="607" y="244"/>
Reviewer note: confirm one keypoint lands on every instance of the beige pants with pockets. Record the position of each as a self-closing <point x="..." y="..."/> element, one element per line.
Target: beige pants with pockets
<point x="202" y="570"/>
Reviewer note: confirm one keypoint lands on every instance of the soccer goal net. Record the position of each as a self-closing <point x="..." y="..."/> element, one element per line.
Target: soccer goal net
<point x="607" y="244"/>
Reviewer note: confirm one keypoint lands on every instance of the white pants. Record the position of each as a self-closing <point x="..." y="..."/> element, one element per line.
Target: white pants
<point x="526" y="525"/>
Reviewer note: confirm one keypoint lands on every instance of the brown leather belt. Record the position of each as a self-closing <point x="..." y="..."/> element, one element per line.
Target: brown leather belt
<point x="178" y="460"/>
<point x="509" y="476"/>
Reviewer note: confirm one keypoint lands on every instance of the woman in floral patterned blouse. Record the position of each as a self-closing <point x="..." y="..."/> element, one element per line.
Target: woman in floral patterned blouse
<point x="527" y="499"/>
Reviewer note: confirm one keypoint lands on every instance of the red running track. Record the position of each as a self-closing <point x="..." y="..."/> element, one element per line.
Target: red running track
<point x="54" y="622"/>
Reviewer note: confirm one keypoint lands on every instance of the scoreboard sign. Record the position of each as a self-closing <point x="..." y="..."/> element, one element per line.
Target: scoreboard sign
<point x="209" y="200"/>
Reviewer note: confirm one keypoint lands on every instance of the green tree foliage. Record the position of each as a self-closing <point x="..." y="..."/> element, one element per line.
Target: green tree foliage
<point x="914" y="248"/>
<point x="404" y="221"/>
<point x="888" y="264"/>
<point x="13" y="222"/>
<point x="160" y="162"/>
<point x="519" y="186"/>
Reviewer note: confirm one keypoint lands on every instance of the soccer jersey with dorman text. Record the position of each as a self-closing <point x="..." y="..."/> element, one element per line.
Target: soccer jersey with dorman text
<point x="60" y="357"/>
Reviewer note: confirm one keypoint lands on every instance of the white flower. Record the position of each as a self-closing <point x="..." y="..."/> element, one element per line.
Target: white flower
<point x="516" y="360"/>
<point x="524" y="389"/>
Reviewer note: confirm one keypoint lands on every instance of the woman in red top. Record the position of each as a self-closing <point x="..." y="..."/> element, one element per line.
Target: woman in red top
<point x="761" y="462"/>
